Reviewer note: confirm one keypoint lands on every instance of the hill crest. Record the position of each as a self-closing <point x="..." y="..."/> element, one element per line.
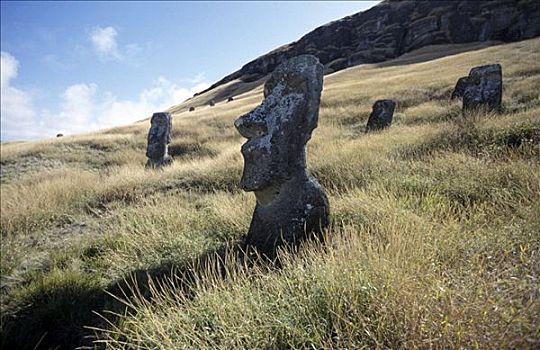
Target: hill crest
<point x="393" y="28"/>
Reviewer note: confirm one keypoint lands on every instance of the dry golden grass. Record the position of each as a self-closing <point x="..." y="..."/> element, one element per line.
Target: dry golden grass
<point x="434" y="242"/>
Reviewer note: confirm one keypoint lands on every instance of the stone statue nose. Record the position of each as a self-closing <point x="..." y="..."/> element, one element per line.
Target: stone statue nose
<point x="251" y="125"/>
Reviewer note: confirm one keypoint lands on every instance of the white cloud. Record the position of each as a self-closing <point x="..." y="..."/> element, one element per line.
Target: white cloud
<point x="162" y="95"/>
<point x="77" y="112"/>
<point x="17" y="112"/>
<point x="199" y="78"/>
<point x="83" y="106"/>
<point x="104" y="42"/>
<point x="10" y="67"/>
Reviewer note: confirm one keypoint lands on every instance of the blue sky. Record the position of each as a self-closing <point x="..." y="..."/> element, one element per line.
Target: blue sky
<point x="71" y="67"/>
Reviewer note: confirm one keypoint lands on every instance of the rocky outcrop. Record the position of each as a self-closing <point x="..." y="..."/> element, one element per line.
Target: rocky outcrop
<point x="291" y="205"/>
<point x="393" y="28"/>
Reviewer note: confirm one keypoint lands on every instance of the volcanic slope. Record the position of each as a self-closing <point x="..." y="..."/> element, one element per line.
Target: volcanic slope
<point x="434" y="241"/>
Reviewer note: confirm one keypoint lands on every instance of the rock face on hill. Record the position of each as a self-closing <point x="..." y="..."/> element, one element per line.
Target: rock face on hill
<point x="394" y="27"/>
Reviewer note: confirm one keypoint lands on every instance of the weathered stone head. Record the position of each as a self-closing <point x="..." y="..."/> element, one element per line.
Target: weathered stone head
<point x="481" y="89"/>
<point x="159" y="137"/>
<point x="278" y="129"/>
<point x="381" y="115"/>
<point x="290" y="203"/>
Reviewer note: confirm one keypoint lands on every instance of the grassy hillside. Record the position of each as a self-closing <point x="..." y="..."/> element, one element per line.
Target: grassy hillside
<point x="435" y="239"/>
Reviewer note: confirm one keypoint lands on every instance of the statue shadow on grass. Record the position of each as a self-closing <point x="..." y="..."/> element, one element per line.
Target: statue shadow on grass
<point x="70" y="317"/>
<point x="291" y="207"/>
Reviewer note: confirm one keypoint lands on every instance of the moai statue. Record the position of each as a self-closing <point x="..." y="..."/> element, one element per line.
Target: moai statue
<point x="230" y="99"/>
<point x="291" y="205"/>
<point x="159" y="137"/>
<point x="381" y="115"/>
<point x="459" y="89"/>
<point x="481" y="89"/>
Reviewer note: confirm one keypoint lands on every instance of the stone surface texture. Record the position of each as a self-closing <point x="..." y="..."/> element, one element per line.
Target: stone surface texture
<point x="483" y="88"/>
<point x="381" y="115"/>
<point x="291" y="205"/>
<point x="459" y="89"/>
<point x="159" y="137"/>
<point x="393" y="28"/>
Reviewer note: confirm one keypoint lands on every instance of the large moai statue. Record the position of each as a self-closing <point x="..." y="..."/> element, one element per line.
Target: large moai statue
<point x="381" y="115"/>
<point x="481" y="89"/>
<point x="159" y="137"/>
<point x="291" y="205"/>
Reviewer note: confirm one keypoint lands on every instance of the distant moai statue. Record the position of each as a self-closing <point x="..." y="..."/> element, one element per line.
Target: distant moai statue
<point x="381" y="115"/>
<point x="291" y="204"/>
<point x="230" y="99"/>
<point x="481" y="89"/>
<point x="159" y="137"/>
<point x="191" y="109"/>
<point x="459" y="89"/>
<point x="212" y="103"/>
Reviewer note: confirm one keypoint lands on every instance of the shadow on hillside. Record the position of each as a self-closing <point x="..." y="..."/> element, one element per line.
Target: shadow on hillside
<point x="65" y="317"/>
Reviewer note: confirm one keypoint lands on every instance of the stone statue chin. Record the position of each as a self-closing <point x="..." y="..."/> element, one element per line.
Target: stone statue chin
<point x="291" y="205"/>
<point x="159" y="137"/>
